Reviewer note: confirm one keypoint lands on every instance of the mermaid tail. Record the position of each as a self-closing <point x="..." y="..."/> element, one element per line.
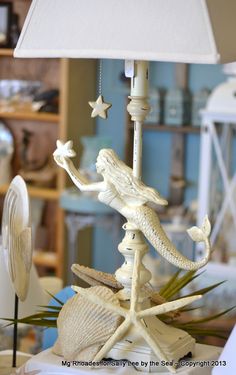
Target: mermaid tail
<point x="147" y="221"/>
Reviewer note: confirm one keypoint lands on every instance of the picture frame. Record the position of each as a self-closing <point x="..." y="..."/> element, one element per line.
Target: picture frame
<point x="5" y="23"/>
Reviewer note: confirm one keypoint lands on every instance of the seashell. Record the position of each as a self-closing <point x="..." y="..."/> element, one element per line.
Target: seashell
<point x="94" y="277"/>
<point x="16" y="236"/>
<point x="85" y="355"/>
<point x="89" y="353"/>
<point x="84" y="327"/>
<point x="97" y="276"/>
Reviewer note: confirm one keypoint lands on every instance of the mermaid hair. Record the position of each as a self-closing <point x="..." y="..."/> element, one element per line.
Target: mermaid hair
<point x="121" y="176"/>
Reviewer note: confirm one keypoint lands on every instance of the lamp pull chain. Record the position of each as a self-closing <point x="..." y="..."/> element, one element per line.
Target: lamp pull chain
<point x="100" y="107"/>
<point x="100" y="78"/>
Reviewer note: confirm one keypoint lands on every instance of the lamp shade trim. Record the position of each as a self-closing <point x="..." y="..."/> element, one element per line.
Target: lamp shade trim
<point x="126" y="55"/>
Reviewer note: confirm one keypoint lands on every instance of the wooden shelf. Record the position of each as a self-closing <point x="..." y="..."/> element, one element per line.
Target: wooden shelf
<point x="45" y="258"/>
<point x="32" y="116"/>
<point x="6" y="52"/>
<point x="76" y="81"/>
<point x="36" y="192"/>
<point x="188" y="129"/>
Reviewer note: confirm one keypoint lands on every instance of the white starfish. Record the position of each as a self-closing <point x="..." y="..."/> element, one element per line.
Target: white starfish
<point x="100" y="107"/>
<point x="64" y="149"/>
<point x="132" y="316"/>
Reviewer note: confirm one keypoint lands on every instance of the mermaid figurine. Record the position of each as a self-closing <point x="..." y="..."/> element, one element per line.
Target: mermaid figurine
<point x="128" y="195"/>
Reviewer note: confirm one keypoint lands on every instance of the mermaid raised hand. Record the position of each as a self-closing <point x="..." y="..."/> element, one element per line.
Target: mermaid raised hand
<point x="129" y="196"/>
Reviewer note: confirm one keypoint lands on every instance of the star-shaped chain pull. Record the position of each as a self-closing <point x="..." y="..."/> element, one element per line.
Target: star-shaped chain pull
<point x="134" y="316"/>
<point x="100" y="107"/>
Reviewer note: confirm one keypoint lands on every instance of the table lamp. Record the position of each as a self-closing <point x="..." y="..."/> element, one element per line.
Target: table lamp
<point x="183" y="31"/>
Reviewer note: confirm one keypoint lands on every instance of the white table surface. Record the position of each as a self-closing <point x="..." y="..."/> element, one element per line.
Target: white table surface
<point x="6" y="361"/>
<point x="48" y="363"/>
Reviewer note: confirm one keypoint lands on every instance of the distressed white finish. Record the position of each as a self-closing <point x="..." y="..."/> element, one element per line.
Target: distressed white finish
<point x="137" y="151"/>
<point x="100" y="107"/>
<point x="138" y="109"/>
<point x="132" y="242"/>
<point x="133" y="275"/>
<point x="108" y="29"/>
<point x="139" y="87"/>
<point x="126" y="194"/>
<point x="134" y="316"/>
<point x="16" y="236"/>
<point x="93" y="278"/>
<point x="123" y="190"/>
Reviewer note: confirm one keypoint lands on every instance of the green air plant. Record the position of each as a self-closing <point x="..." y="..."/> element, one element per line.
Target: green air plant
<point x="47" y="315"/>
<point x="195" y="327"/>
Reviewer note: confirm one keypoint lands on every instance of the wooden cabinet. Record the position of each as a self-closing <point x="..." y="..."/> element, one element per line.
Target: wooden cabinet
<point x="76" y="80"/>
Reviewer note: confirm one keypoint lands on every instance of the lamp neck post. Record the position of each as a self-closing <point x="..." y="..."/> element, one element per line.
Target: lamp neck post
<point x="138" y="107"/>
<point x="133" y="241"/>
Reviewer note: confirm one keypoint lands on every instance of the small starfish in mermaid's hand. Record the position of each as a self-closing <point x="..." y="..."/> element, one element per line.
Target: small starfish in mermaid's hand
<point x="100" y="108"/>
<point x="64" y="150"/>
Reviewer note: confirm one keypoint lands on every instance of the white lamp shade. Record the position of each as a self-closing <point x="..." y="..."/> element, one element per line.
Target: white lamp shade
<point x="192" y="31"/>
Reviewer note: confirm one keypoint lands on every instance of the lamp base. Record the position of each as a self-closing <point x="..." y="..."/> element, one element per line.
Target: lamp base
<point x="175" y="343"/>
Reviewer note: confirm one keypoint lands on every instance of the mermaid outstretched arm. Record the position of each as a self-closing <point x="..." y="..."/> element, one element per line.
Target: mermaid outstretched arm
<point x="62" y="157"/>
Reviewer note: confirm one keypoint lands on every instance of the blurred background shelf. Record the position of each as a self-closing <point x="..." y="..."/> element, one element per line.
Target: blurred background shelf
<point x="76" y="82"/>
<point x="6" y="52"/>
<point x="30" y="116"/>
<point x="44" y="258"/>
<point x="188" y="129"/>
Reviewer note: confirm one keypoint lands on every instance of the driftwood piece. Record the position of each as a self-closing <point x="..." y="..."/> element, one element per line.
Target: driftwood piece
<point x="101" y="278"/>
